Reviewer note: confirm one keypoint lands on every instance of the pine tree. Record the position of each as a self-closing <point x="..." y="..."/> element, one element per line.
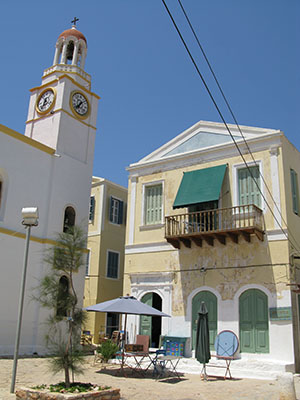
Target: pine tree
<point x="56" y="291"/>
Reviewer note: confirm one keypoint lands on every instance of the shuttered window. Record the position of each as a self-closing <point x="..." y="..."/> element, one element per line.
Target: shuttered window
<point x="249" y="186"/>
<point x="92" y="209"/>
<point x="87" y="265"/>
<point x="153" y="204"/>
<point x="116" y="211"/>
<point x="112" y="265"/>
<point x="295" y="191"/>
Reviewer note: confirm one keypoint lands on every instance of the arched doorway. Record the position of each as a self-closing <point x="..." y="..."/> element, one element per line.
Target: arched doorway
<point x="211" y="303"/>
<point x="151" y="325"/>
<point x="254" y="326"/>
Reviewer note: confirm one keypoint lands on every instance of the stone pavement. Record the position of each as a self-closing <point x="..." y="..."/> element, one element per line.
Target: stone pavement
<point x="33" y="371"/>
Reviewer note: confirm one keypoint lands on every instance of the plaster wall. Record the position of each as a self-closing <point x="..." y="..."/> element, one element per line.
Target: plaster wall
<point x="104" y="236"/>
<point x="33" y="177"/>
<point x="291" y="160"/>
<point x="171" y="180"/>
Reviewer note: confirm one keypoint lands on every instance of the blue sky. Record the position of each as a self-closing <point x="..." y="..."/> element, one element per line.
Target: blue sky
<point x="149" y="89"/>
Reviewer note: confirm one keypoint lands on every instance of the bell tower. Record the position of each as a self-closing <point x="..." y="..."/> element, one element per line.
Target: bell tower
<point x="62" y="111"/>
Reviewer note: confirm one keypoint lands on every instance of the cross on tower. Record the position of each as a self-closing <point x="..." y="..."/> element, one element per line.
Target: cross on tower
<point x="74" y="21"/>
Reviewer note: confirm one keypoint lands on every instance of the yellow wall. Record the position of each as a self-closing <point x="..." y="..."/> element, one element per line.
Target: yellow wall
<point x="220" y="261"/>
<point x="103" y="236"/>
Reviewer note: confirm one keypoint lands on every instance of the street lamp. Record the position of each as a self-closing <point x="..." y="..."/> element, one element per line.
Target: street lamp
<point x="30" y="218"/>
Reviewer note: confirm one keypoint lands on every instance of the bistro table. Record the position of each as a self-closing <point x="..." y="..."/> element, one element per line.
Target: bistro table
<point x="139" y="361"/>
<point x="167" y="363"/>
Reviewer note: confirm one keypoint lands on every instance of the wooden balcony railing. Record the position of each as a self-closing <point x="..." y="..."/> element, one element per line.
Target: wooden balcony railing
<point x="214" y="224"/>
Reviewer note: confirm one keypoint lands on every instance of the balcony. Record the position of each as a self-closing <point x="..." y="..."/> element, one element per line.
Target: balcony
<point x="218" y="224"/>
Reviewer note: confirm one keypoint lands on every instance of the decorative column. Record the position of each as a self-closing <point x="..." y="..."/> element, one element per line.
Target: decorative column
<point x="64" y="54"/>
<point x="274" y="152"/>
<point x="75" y="53"/>
<point x="83" y="57"/>
<point x="134" y="179"/>
<point x="57" y="53"/>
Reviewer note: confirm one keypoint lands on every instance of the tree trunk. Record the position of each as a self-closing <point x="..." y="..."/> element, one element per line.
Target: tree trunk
<point x="67" y="377"/>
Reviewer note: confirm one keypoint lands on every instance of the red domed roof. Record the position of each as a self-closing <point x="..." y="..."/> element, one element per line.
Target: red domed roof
<point x="72" y="32"/>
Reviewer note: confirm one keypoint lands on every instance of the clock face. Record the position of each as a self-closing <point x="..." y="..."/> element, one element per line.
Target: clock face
<point x="45" y="101"/>
<point x="80" y="104"/>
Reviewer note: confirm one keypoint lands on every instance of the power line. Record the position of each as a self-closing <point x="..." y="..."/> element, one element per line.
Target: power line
<point x="226" y="125"/>
<point x="204" y="269"/>
<point x="234" y="118"/>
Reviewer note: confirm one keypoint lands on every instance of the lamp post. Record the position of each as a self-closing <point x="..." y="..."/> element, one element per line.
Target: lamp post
<point x="30" y="218"/>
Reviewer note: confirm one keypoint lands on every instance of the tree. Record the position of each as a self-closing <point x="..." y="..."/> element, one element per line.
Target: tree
<point x="56" y="291"/>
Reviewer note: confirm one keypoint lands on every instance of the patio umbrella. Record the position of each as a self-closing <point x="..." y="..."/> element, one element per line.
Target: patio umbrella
<point x="126" y="305"/>
<point x="202" y="338"/>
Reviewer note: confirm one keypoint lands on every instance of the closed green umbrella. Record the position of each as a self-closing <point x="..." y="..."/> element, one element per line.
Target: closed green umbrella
<point x="202" y="338"/>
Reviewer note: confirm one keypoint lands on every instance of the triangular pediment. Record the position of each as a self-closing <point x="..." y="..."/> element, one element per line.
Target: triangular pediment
<point x="204" y="135"/>
<point x="199" y="141"/>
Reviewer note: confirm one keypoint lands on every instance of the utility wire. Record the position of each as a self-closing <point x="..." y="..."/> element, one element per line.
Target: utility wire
<point x="234" y="118"/>
<point x="204" y="269"/>
<point x="225" y="123"/>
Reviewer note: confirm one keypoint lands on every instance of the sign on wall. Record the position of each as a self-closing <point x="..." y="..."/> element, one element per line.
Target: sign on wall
<point x="280" y="313"/>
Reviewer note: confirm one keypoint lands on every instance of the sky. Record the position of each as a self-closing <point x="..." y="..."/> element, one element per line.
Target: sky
<point x="150" y="91"/>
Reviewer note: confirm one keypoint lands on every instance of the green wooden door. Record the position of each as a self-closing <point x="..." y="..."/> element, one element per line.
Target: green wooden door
<point x="211" y="303"/>
<point x="146" y="320"/>
<point x="254" y="327"/>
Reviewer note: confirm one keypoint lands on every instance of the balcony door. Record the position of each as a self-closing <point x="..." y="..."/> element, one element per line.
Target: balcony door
<point x="206" y="221"/>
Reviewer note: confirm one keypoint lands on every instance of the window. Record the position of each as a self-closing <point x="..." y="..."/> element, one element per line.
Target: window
<point x="112" y="323"/>
<point x="87" y="265"/>
<point x="116" y="211"/>
<point x="249" y="186"/>
<point x="112" y="264"/>
<point x="153" y="204"/>
<point x="295" y="191"/>
<point x="69" y="219"/>
<point x="92" y="209"/>
<point x="62" y="297"/>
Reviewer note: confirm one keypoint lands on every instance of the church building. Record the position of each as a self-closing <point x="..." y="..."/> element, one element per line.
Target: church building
<point x="50" y="167"/>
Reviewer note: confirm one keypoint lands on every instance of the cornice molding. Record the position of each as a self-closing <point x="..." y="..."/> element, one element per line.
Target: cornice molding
<point x="148" y="248"/>
<point x="67" y="77"/>
<point x="66" y="112"/>
<point x="36" y="239"/>
<point x="27" y="140"/>
<point x="202" y="156"/>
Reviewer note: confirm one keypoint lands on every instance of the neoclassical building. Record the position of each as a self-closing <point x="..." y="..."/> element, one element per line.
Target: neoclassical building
<point x="203" y="226"/>
<point x="50" y="167"/>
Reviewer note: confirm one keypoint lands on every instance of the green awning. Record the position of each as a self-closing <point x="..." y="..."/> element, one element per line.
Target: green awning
<point x="200" y="186"/>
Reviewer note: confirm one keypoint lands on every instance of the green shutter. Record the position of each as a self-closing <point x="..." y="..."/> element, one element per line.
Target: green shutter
<point x="153" y="206"/>
<point x="120" y="215"/>
<point x="112" y="265"/>
<point x="111" y="209"/>
<point x="146" y="320"/>
<point x="92" y="208"/>
<point x="249" y="192"/>
<point x="295" y="191"/>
